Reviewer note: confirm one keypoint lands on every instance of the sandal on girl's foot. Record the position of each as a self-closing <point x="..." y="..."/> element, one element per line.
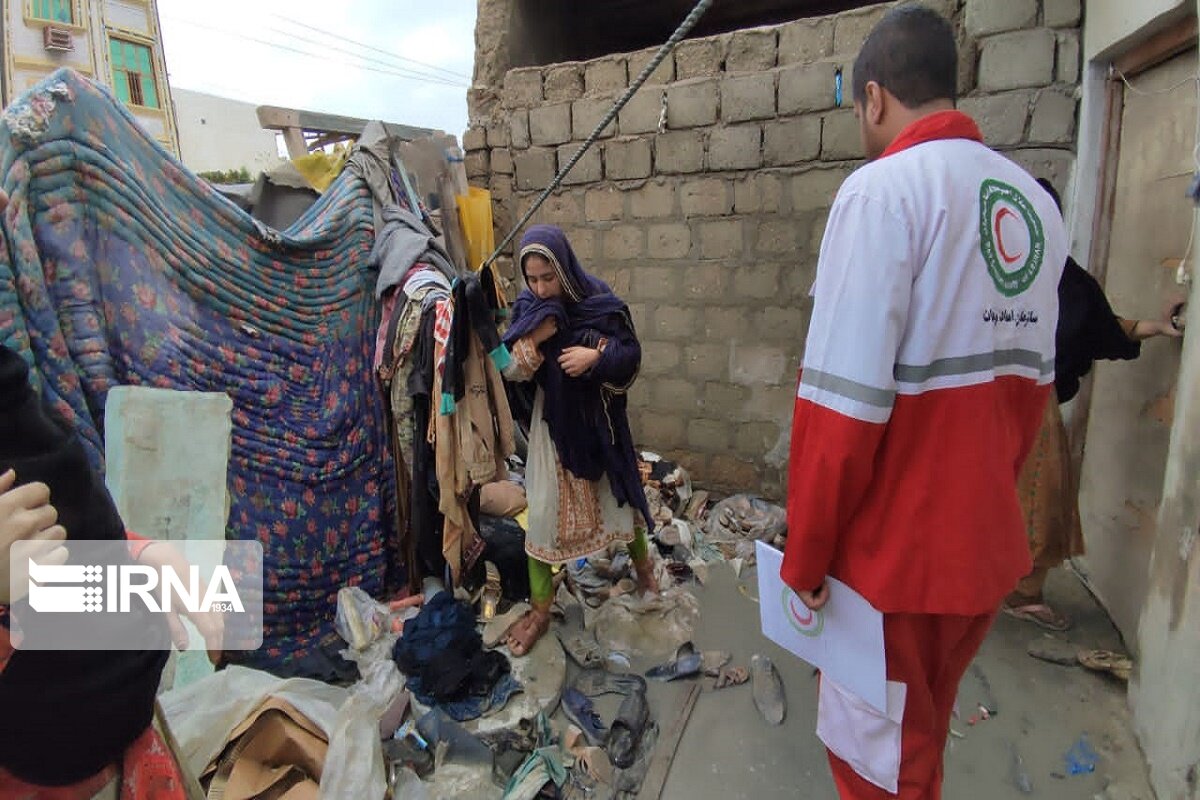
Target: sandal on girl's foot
<point x="1039" y="614"/>
<point x="527" y="632"/>
<point x="497" y="629"/>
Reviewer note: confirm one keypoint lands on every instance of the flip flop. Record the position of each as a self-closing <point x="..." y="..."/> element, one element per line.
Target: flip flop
<point x="1041" y="615"/>
<point x="769" y="698"/>
<point x="686" y="664"/>
<point x="626" y="731"/>
<point x="496" y="629"/>
<point x="731" y="676"/>
<point x="1116" y="664"/>
<point x="526" y="632"/>
<point x="596" y="682"/>
<point x="579" y="709"/>
<point x="583" y="649"/>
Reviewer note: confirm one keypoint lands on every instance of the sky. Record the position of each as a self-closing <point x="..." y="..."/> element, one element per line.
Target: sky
<point x="404" y="61"/>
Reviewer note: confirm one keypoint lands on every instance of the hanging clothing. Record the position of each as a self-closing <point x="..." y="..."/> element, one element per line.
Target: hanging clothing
<point x="927" y="368"/>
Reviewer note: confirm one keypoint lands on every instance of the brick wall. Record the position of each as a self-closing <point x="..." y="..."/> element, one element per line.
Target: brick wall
<point x="706" y="213"/>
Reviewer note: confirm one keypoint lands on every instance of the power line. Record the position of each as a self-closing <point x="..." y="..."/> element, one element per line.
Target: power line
<point x="278" y="46"/>
<point x="449" y="72"/>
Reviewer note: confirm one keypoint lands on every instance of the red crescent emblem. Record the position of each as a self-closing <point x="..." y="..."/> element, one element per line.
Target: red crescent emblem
<point x="1000" y="238"/>
<point x="802" y="620"/>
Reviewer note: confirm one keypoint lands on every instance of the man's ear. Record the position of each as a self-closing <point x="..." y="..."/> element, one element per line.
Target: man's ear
<point x="875" y="103"/>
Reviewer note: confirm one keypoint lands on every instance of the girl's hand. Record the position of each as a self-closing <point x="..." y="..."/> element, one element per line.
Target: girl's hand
<point x="545" y="331"/>
<point x="577" y="360"/>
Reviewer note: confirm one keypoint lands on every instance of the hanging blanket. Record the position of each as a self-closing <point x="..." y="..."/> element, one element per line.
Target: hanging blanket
<point x="118" y="266"/>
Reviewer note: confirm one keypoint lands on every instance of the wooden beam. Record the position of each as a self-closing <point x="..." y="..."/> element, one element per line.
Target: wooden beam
<point x="667" y="745"/>
<point x="1159" y="48"/>
<point x="296" y="144"/>
<point x="275" y="118"/>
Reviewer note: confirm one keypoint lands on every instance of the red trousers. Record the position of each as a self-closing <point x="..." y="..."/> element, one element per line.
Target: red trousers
<point x="930" y="653"/>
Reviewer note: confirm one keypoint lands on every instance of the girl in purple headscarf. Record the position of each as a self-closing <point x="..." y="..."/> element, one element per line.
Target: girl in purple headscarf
<point x="575" y="339"/>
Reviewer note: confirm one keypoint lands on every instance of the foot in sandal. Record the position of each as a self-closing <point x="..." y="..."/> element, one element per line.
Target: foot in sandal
<point x="527" y="631"/>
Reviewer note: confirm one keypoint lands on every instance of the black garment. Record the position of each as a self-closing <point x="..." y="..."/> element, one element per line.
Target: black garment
<point x="442" y="653"/>
<point x="471" y="315"/>
<point x="426" y="521"/>
<point x="69" y="714"/>
<point x="1088" y="330"/>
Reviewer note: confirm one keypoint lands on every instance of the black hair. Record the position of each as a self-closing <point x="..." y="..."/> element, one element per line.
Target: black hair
<point x="1050" y="190"/>
<point x="912" y="54"/>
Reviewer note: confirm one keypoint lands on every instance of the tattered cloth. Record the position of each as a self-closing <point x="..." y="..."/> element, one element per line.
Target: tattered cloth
<point x="119" y="266"/>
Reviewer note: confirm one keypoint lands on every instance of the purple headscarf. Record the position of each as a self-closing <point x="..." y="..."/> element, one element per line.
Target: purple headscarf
<point x="587" y="418"/>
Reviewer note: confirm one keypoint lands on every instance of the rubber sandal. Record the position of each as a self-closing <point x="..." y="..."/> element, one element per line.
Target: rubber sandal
<point x="1115" y="664"/>
<point x="768" y="690"/>
<point x="626" y="731"/>
<point x="596" y="682"/>
<point x="526" y="632"/>
<point x="497" y="629"/>
<point x="583" y="649"/>
<point x="579" y="709"/>
<point x="1041" y="615"/>
<point x="490" y="599"/>
<point x="686" y="664"/>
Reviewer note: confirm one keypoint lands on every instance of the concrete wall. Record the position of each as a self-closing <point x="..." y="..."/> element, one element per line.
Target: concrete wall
<point x="704" y="203"/>
<point x="219" y="134"/>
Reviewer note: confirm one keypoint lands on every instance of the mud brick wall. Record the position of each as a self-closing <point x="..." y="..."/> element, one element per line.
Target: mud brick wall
<point x="704" y="204"/>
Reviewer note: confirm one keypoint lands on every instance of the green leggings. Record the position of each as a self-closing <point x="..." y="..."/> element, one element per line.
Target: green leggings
<point x="541" y="580"/>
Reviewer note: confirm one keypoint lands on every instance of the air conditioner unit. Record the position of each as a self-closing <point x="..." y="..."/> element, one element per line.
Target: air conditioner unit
<point x="57" y="39"/>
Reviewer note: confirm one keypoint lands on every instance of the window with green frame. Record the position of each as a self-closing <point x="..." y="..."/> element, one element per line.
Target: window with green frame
<point x="133" y="73"/>
<point x="53" y="10"/>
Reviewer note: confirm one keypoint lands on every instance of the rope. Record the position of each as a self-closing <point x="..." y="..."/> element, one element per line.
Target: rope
<point x="688" y="23"/>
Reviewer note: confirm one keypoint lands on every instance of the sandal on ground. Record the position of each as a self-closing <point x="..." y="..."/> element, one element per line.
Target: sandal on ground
<point x="1039" y="614"/>
<point x="527" y="631"/>
<point x="1107" y="661"/>
<point x="625" y="733"/>
<point x="686" y="664"/>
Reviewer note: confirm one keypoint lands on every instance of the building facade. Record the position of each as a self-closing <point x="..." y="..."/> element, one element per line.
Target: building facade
<point x="114" y="42"/>
<point x="218" y="134"/>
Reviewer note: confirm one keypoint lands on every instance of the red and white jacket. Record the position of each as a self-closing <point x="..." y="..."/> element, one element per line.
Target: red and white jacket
<point x="930" y="356"/>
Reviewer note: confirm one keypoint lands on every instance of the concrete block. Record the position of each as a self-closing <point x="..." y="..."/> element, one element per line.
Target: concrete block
<point x="805" y="40"/>
<point x="628" y="159"/>
<point x="641" y="113"/>
<point x="550" y="124"/>
<point x="621" y="280"/>
<point x="734" y="473"/>
<point x="662" y="430"/>
<point x="699" y="58"/>
<point x="522" y="88"/>
<point x="758" y="282"/>
<point x="605" y="75"/>
<point x="586" y="115"/>
<point x="1017" y="60"/>
<point x="816" y="188"/>
<point x="653" y="201"/>
<point x="654" y="283"/>
<point x="673" y="394"/>
<point x="841" y="138"/>
<point x="752" y="50"/>
<point x="723" y="400"/>
<point x="673" y="323"/>
<point x="782" y="324"/>
<point x="721" y="238"/>
<point x="625" y="242"/>
<point x="747" y="97"/>
<point x="1053" y="117"/>
<point x="590" y="168"/>
<point x="475" y="138"/>
<point x="776" y="237"/>
<point x="692" y="104"/>
<point x="791" y="141"/>
<point x="603" y="203"/>
<point x="518" y="129"/>
<point x="722" y="324"/>
<point x="534" y="168"/>
<point x="968" y="58"/>
<point x="679" y="152"/>
<point x="708" y="435"/>
<point x="498" y="135"/>
<point x="1062" y="13"/>
<point x="705" y="197"/>
<point x="477" y="164"/>
<point x="809" y="87"/>
<point x="755" y="364"/>
<point x="561" y="208"/>
<point x="986" y="17"/>
<point x="1068" y="56"/>
<point x="669" y="240"/>
<point x="638" y="61"/>
<point x="735" y="147"/>
<point x="502" y="161"/>
<point x="761" y="192"/>
<point x="563" y="82"/>
<point x="585" y="243"/>
<point x="660" y="358"/>
<point x="1001" y="117"/>
<point x="707" y="283"/>
<point x="816" y="236"/>
<point x="851" y="29"/>
<point x="707" y="362"/>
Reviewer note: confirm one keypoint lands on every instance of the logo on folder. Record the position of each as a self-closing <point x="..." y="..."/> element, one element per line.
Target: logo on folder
<point x="1012" y="239"/>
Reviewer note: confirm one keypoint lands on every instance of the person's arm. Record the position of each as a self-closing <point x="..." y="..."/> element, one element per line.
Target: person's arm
<point x="1139" y="330"/>
<point x="847" y="385"/>
<point x="612" y="361"/>
<point x="526" y="352"/>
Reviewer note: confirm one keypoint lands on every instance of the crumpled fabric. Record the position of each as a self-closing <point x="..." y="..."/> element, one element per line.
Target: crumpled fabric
<point x="403" y="241"/>
<point x="542" y="767"/>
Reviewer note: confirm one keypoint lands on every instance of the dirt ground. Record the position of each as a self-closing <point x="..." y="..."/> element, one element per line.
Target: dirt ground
<point x="727" y="751"/>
